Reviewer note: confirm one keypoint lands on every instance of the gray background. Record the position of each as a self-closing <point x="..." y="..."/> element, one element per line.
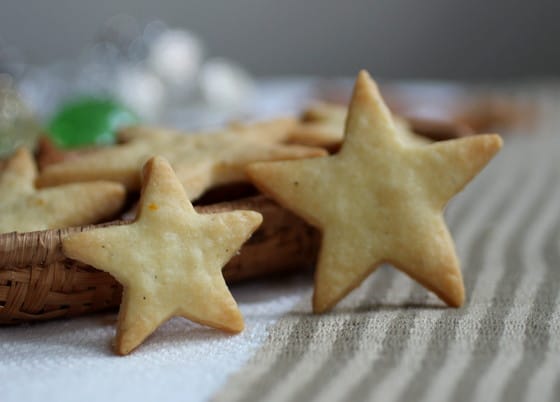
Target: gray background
<point x="469" y="39"/>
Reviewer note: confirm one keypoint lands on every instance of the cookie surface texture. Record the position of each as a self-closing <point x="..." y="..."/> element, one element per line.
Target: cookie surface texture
<point x="25" y="208"/>
<point x="169" y="260"/>
<point x="379" y="200"/>
<point x="201" y="161"/>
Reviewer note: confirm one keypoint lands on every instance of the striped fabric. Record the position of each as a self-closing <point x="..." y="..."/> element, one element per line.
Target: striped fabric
<point x="391" y="340"/>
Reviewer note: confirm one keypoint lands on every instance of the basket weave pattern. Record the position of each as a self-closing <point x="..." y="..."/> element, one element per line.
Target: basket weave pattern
<point x="38" y="282"/>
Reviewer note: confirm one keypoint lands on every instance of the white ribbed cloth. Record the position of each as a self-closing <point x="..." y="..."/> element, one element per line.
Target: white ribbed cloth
<point x="390" y="340"/>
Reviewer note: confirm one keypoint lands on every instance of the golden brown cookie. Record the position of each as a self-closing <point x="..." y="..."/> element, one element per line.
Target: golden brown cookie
<point x="201" y="161"/>
<point x="169" y="260"/>
<point x="25" y="209"/>
<point x="379" y="200"/>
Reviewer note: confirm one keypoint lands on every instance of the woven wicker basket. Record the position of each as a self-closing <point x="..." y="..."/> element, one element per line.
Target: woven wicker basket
<point x="37" y="282"/>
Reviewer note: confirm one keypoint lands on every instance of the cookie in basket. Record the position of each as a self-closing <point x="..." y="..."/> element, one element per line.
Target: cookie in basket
<point x="169" y="259"/>
<point x="25" y="208"/>
<point x="379" y="200"/>
<point x="201" y="161"/>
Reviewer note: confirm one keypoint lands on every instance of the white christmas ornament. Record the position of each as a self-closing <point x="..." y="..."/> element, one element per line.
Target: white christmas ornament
<point x="225" y="84"/>
<point x="175" y="56"/>
<point x="141" y="91"/>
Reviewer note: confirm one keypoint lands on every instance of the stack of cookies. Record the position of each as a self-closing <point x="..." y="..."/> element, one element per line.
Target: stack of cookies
<point x="344" y="189"/>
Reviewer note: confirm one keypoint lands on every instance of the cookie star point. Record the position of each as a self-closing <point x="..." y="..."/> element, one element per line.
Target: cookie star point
<point x="452" y="164"/>
<point x="369" y="119"/>
<point x="379" y="200"/>
<point x="31" y="209"/>
<point x="169" y="259"/>
<point x="19" y="172"/>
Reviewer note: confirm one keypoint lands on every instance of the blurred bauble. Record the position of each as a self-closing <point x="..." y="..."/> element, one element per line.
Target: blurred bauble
<point x="225" y="84"/>
<point x="175" y="56"/>
<point x="89" y="121"/>
<point x="18" y="125"/>
<point x="141" y="90"/>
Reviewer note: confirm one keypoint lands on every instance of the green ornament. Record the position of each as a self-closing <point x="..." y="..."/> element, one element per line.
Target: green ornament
<point x="89" y="121"/>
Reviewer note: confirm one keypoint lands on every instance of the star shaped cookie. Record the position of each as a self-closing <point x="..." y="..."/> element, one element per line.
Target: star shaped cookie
<point x="169" y="260"/>
<point x="26" y="209"/>
<point x="201" y="161"/>
<point x="380" y="199"/>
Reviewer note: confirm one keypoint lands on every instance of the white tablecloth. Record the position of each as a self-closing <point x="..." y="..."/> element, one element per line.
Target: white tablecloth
<point x="390" y="340"/>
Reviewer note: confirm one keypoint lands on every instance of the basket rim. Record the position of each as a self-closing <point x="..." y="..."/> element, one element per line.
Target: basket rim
<point x="42" y="247"/>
